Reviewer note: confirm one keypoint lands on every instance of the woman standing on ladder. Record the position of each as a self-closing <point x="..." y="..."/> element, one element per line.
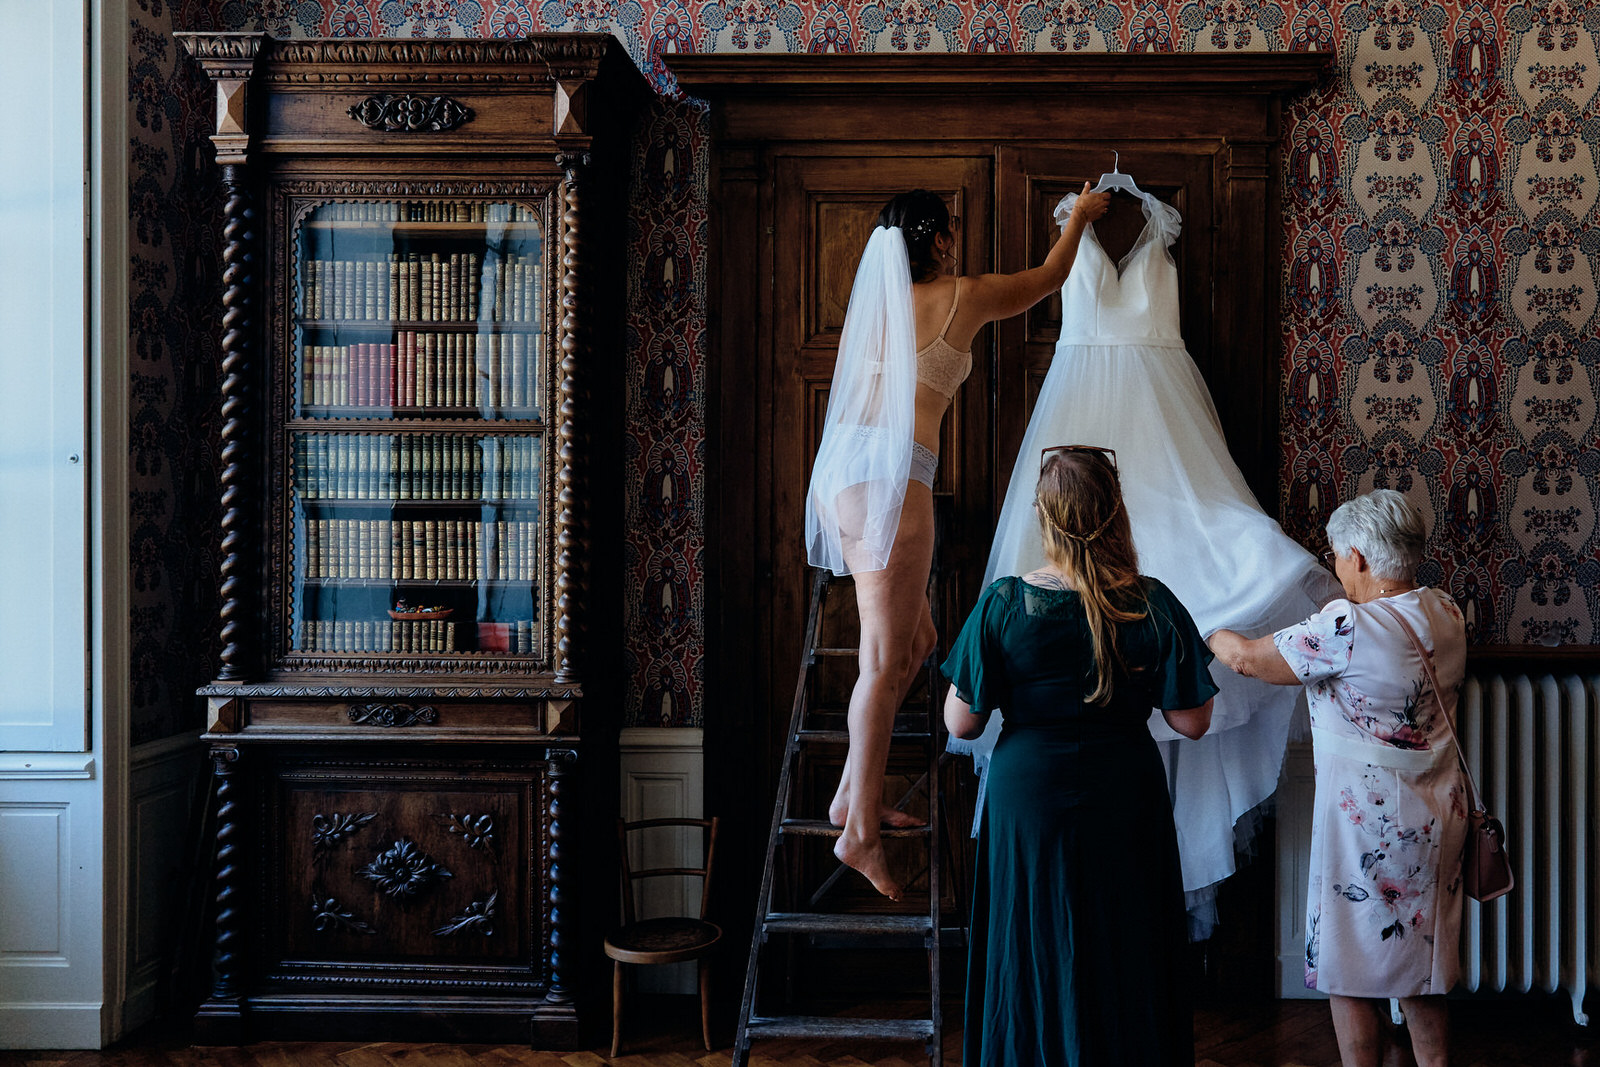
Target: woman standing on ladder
<point x="904" y="350"/>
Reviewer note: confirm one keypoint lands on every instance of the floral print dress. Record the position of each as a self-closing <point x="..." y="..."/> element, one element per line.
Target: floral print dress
<point x="1383" y="907"/>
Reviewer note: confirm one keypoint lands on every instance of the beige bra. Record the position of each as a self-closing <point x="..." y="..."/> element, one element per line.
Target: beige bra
<point x="939" y="366"/>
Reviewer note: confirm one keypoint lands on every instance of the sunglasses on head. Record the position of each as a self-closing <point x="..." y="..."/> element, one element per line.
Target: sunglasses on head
<point x="1109" y="453"/>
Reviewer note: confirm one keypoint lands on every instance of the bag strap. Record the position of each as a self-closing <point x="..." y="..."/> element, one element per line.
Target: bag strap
<point x="1433" y="680"/>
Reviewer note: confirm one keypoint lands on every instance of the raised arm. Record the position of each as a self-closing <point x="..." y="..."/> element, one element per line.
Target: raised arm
<point x="1000" y="296"/>
<point x="1258" y="658"/>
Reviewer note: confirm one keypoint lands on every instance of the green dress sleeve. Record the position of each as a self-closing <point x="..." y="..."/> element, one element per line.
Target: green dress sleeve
<point x="1181" y="678"/>
<point x="976" y="666"/>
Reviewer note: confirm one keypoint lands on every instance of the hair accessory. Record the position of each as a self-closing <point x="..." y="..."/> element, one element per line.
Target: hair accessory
<point x="922" y="229"/>
<point x="1084" y="539"/>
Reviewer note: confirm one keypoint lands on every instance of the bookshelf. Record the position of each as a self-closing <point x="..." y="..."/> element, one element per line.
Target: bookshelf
<point x="421" y="406"/>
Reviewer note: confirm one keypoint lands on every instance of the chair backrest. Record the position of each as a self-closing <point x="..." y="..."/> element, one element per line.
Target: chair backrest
<point x="631" y="877"/>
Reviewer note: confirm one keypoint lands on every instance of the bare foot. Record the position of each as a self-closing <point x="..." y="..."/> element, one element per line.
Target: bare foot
<point x="839" y="812"/>
<point x="870" y="861"/>
<point x="895" y="817"/>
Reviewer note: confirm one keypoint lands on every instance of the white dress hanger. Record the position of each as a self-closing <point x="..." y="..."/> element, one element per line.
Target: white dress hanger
<point x="1115" y="179"/>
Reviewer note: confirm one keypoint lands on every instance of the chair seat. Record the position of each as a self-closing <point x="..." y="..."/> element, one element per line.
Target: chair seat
<point x="670" y="940"/>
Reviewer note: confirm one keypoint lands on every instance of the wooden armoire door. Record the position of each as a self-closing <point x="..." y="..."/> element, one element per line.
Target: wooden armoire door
<point x="824" y="209"/>
<point x="1031" y="182"/>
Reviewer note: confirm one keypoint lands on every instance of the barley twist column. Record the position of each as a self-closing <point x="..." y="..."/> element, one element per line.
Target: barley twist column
<point x="571" y="540"/>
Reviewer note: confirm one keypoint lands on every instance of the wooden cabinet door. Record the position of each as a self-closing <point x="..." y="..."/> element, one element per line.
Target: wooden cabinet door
<point x="1031" y="181"/>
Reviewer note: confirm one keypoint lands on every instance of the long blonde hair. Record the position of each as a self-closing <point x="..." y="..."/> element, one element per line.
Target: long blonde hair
<point x="1086" y="534"/>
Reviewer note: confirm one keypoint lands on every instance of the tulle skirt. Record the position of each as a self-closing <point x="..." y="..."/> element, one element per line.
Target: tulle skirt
<point x="1198" y="528"/>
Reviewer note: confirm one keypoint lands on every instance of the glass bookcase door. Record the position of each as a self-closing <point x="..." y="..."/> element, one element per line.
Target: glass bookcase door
<point x="416" y="444"/>
<point x="416" y="543"/>
<point x="419" y="310"/>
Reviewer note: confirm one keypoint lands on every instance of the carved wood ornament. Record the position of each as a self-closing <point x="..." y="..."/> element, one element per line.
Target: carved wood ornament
<point x="409" y="112"/>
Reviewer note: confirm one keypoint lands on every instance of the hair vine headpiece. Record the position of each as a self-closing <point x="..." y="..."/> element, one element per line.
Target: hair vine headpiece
<point x="922" y="229"/>
<point x="1083" y="539"/>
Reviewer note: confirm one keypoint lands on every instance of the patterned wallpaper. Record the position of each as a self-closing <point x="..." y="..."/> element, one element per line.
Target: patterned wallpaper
<point x="1439" y="279"/>
<point x="174" y="290"/>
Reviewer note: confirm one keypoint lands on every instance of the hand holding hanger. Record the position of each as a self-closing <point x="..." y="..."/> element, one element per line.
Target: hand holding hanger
<point x="1090" y="205"/>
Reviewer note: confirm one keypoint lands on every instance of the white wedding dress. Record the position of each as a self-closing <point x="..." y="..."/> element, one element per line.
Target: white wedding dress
<point x="1121" y="378"/>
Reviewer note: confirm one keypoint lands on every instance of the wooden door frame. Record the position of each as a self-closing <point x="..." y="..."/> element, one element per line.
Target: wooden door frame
<point x="858" y="104"/>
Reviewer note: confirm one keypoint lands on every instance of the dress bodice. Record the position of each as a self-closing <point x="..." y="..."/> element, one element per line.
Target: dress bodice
<point x="1133" y="302"/>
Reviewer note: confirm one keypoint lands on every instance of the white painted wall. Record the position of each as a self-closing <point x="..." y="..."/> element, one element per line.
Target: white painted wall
<point x="63" y="501"/>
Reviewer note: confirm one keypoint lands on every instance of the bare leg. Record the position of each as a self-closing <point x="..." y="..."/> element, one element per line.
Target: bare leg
<point x="1355" y="1024"/>
<point x="839" y="809"/>
<point x="892" y="603"/>
<point x="1428" y="1019"/>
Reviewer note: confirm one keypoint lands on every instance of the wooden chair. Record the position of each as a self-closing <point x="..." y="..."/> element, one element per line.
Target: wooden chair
<point x="663" y="940"/>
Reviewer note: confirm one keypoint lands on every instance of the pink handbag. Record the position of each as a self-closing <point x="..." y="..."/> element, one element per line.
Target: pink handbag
<point x="1485" y="863"/>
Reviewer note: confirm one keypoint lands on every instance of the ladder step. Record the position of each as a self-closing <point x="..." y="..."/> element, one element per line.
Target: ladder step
<point x="823" y="828"/>
<point x="806" y="922"/>
<point x="826" y="1026"/>
<point x="842" y="737"/>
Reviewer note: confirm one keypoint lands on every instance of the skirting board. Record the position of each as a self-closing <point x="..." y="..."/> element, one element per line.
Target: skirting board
<point x="49" y="1026"/>
<point x="663" y="777"/>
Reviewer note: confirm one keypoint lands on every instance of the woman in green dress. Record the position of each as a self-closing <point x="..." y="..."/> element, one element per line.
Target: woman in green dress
<point x="1079" y="937"/>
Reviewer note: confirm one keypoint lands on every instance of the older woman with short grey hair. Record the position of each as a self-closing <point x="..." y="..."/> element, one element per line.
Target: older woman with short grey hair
<point x="1383" y="908"/>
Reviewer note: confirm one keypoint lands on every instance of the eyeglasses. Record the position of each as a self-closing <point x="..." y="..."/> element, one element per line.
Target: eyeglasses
<point x="1109" y="453"/>
<point x="1328" y="557"/>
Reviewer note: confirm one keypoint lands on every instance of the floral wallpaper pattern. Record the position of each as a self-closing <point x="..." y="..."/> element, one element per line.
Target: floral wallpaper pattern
<point x="1438" y="290"/>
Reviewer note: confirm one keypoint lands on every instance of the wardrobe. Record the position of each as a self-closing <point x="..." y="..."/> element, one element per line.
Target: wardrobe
<point x="805" y="151"/>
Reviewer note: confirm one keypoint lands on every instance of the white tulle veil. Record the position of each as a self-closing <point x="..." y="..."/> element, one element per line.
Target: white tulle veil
<point x="858" y="482"/>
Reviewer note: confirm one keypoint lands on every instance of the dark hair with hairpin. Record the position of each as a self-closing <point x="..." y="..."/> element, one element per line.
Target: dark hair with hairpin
<point x="921" y="216"/>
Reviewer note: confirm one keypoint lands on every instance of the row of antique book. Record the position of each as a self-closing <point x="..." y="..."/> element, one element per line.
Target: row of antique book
<point x="424" y="466"/>
<point x="424" y="287"/>
<point x="414" y="635"/>
<point x="488" y="373"/>
<point x="424" y="211"/>
<point x="421" y="549"/>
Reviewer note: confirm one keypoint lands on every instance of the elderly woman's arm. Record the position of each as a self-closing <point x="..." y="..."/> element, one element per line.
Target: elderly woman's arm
<point x="959" y="718"/>
<point x="1258" y="658"/>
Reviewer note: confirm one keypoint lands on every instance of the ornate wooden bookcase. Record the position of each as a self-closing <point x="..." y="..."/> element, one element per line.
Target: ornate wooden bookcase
<point x="421" y="367"/>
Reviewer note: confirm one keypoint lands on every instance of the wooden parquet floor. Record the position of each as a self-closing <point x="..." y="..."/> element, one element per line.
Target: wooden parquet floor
<point x="1272" y="1034"/>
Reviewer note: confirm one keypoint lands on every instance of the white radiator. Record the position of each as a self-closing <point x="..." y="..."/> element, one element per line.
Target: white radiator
<point x="1533" y="741"/>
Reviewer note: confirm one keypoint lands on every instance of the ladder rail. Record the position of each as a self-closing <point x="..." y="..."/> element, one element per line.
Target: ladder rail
<point x="845" y="924"/>
<point x="819" y="594"/>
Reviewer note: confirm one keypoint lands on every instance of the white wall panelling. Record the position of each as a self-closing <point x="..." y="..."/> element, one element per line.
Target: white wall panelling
<point x="1296" y="790"/>
<point x="663" y="777"/>
<point x="162" y="785"/>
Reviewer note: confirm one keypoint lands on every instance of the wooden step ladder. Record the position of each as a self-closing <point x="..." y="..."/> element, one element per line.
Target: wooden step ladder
<point x="919" y="728"/>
